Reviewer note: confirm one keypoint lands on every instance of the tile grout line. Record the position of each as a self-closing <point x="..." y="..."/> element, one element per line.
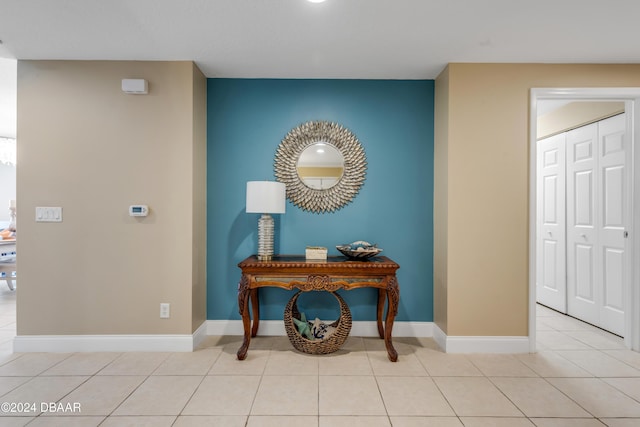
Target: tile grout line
<point x="131" y="392"/>
<point x="255" y="395"/>
<point x="195" y="390"/>
<point x="375" y="378"/>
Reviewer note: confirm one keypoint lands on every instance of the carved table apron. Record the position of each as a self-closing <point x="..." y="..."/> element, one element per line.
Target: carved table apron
<point x="337" y="272"/>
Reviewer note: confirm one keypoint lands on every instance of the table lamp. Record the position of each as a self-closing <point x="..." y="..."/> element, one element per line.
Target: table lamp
<point x="266" y="197"/>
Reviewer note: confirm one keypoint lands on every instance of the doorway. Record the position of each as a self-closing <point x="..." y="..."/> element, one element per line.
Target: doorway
<point x="583" y="211"/>
<point x="631" y="290"/>
<point x="8" y="114"/>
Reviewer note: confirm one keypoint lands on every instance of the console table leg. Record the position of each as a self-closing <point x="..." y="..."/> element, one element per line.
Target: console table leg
<point x="391" y="351"/>
<point x="243" y="306"/>
<point x="393" y="297"/>
<point x="255" y="306"/>
<point x="382" y="296"/>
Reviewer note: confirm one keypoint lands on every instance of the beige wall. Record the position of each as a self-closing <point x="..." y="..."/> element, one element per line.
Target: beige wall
<point x="93" y="150"/>
<point x="440" y="202"/>
<point x="484" y="132"/>
<point x="576" y="114"/>
<point x="199" y="211"/>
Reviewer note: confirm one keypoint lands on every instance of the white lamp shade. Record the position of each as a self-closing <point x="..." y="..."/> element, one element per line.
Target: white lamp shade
<point x="266" y="197"/>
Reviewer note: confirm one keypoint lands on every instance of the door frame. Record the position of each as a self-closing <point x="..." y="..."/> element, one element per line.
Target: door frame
<point x="631" y="98"/>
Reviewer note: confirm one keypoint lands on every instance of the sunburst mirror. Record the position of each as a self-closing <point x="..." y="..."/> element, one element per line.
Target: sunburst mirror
<point x="322" y="164"/>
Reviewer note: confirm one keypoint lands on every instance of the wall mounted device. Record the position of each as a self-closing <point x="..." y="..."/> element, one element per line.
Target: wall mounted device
<point x="138" y="210"/>
<point x="135" y="86"/>
<point x="49" y="214"/>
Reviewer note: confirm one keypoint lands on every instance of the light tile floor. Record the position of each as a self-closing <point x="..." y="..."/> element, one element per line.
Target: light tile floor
<point x="580" y="377"/>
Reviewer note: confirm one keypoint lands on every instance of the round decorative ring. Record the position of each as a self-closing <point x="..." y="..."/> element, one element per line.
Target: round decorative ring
<point x="330" y="199"/>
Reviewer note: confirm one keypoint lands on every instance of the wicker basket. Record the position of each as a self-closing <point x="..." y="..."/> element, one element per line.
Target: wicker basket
<point x="321" y="346"/>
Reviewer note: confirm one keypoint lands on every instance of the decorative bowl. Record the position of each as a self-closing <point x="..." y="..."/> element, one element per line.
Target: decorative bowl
<point x="359" y="250"/>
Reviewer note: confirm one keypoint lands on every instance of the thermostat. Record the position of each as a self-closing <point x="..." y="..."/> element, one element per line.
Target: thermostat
<point x="138" y="210"/>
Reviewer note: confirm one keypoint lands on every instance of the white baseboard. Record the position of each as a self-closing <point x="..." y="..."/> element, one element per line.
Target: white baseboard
<point x="185" y="343"/>
<point x="440" y="337"/>
<point x="199" y="335"/>
<point x="480" y="344"/>
<point x="359" y="328"/>
<point x="91" y="343"/>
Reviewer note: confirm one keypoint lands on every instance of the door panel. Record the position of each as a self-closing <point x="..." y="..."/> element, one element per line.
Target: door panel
<point x="582" y="265"/>
<point x="584" y="273"/>
<point x="612" y="197"/>
<point x="613" y="160"/>
<point x="583" y="204"/>
<point x="551" y="242"/>
<point x="550" y="265"/>
<point x="613" y="268"/>
<point x="550" y="200"/>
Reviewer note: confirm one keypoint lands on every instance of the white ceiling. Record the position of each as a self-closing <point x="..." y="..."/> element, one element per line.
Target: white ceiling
<point x="362" y="39"/>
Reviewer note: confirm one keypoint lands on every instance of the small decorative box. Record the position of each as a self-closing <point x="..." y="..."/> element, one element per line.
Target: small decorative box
<point x="316" y="253"/>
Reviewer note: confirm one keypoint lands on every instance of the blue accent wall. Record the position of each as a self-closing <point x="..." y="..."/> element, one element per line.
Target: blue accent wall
<point x="393" y="119"/>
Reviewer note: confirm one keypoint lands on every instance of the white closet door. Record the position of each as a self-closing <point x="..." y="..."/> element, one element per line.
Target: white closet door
<point x="612" y="186"/>
<point x="597" y="210"/>
<point x="551" y="285"/>
<point x="582" y="266"/>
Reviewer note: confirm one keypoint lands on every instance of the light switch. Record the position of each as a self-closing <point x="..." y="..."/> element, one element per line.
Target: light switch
<point x="48" y="214"/>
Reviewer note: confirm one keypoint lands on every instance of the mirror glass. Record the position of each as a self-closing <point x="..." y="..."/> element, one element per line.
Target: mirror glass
<point x="320" y="166"/>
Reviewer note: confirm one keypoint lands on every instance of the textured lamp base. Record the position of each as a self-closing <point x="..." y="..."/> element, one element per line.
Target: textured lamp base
<point x="265" y="237"/>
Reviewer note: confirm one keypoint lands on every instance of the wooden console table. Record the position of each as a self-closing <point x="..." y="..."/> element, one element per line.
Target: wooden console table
<point x="337" y="272"/>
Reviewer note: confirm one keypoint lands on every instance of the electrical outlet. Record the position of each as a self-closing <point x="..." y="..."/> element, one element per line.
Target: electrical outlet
<point x="165" y="310"/>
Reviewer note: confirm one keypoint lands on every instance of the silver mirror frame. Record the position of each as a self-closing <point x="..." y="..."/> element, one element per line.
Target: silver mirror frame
<point x="355" y="166"/>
